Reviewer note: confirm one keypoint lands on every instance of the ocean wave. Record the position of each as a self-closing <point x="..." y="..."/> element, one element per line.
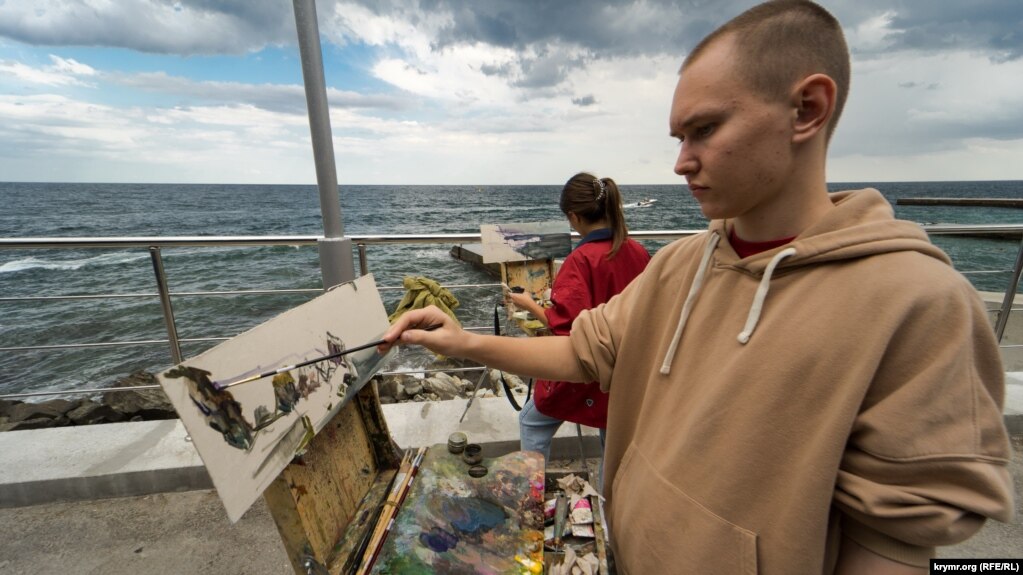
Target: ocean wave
<point x="32" y="263"/>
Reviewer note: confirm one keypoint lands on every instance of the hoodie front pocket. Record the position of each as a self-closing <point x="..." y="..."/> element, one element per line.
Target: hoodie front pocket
<point x="657" y="528"/>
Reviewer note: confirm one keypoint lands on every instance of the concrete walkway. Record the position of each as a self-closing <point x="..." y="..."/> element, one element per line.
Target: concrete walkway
<point x="188" y="533"/>
<point x="126" y="459"/>
<point x="134" y="498"/>
<point x="58" y="513"/>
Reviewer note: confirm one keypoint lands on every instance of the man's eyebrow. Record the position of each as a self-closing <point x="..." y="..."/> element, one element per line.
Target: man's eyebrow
<point x="697" y="117"/>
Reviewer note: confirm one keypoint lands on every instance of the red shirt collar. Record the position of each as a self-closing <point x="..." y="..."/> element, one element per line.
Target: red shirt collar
<point x="746" y="249"/>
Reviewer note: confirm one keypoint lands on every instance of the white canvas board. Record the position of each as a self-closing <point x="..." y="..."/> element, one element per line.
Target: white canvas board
<point x="515" y="242"/>
<point x="246" y="434"/>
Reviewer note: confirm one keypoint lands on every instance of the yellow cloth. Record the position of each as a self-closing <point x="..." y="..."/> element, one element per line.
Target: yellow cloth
<point x="421" y="292"/>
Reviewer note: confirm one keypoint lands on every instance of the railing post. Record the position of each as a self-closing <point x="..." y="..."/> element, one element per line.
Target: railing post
<point x="165" y="302"/>
<point x="336" y="263"/>
<point x="1010" y="295"/>
<point x="363" y="263"/>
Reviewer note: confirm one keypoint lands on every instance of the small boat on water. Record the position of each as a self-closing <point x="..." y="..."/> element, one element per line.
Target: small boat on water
<point x="642" y="203"/>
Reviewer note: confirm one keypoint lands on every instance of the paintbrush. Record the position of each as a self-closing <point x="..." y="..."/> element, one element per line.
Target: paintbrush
<point x="277" y="371"/>
<point x="369" y="546"/>
<point x="378" y="544"/>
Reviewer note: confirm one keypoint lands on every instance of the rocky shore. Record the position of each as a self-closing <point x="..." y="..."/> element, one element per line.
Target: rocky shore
<point x="440" y="386"/>
<point x="112" y="407"/>
<point x="152" y="404"/>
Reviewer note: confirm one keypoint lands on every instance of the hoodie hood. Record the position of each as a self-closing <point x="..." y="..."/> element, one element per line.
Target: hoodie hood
<point x="861" y="225"/>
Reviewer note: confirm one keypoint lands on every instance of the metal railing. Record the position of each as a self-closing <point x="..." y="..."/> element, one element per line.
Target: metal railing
<point x="155" y="244"/>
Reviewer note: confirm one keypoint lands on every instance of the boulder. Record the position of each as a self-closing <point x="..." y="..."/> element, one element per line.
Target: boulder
<point x="514" y="382"/>
<point x="140" y="404"/>
<point x="36" y="423"/>
<point x="389" y="385"/>
<point x="6" y="404"/>
<point x="90" y="412"/>
<point x="413" y="388"/>
<point x="34" y="411"/>
<point x="444" y="386"/>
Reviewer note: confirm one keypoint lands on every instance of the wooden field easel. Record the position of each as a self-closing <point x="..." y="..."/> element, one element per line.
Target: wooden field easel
<point x="325" y="502"/>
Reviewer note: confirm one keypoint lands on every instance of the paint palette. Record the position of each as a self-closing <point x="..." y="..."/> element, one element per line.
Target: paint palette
<point x="452" y="522"/>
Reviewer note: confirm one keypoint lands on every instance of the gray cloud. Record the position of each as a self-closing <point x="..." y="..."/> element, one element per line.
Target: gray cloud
<point x="921" y="85"/>
<point x="992" y="27"/>
<point x="273" y="97"/>
<point x="603" y="28"/>
<point x="187" y="27"/>
<point x="600" y="28"/>
<point x="547" y="70"/>
<point x="496" y="70"/>
<point x="903" y="133"/>
<point x="584" y="101"/>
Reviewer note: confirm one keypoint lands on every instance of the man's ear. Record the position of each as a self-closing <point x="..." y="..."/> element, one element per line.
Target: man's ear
<point x="814" y="103"/>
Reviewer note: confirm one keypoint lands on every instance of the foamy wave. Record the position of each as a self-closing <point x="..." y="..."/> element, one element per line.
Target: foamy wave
<point x="32" y="263"/>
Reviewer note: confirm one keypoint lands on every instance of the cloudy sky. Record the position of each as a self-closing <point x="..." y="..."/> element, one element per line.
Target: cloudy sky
<point x="469" y="91"/>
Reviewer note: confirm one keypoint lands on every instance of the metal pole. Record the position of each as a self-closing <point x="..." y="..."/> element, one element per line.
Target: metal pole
<point x="165" y="302"/>
<point x="363" y="263"/>
<point x="1010" y="295"/>
<point x="336" y="263"/>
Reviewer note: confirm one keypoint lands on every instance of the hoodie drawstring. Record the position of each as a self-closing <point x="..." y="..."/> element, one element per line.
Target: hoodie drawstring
<point x="754" y="311"/>
<point x="761" y="295"/>
<point x="694" y="290"/>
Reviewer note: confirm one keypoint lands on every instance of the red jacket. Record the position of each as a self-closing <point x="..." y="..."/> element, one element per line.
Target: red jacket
<point x="586" y="279"/>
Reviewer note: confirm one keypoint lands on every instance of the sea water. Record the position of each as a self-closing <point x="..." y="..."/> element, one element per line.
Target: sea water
<point x="98" y="210"/>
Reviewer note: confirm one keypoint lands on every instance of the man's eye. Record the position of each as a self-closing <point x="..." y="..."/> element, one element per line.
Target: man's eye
<point x="704" y="131"/>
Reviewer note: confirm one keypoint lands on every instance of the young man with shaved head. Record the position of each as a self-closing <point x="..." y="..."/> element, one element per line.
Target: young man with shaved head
<point x="808" y="386"/>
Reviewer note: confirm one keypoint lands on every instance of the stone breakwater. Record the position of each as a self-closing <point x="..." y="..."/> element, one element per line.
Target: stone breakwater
<point x="112" y="407"/>
<point x="152" y="404"/>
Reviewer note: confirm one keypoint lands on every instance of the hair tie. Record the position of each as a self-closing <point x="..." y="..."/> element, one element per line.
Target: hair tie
<point x="603" y="190"/>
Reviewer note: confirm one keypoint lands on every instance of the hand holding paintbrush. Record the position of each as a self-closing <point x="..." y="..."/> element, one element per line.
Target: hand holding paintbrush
<point x="252" y="378"/>
<point x="450" y="339"/>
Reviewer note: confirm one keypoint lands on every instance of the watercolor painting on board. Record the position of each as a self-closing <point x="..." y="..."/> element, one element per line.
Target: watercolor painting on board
<point x="454" y="523"/>
<point x="525" y="241"/>
<point x="247" y="433"/>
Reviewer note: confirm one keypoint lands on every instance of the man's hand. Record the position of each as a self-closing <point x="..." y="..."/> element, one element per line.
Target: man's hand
<point x="448" y="339"/>
<point x="548" y="357"/>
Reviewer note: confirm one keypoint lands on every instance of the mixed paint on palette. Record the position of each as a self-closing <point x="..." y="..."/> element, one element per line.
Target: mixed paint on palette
<point x="457" y="524"/>
<point x="247" y="434"/>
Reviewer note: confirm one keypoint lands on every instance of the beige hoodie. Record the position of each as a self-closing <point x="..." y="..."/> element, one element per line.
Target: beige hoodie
<point x="848" y="382"/>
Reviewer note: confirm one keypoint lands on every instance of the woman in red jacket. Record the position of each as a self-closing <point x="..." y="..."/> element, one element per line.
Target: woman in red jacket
<point x="603" y="263"/>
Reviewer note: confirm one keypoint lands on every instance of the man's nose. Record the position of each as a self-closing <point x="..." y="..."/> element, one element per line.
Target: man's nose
<point x="686" y="162"/>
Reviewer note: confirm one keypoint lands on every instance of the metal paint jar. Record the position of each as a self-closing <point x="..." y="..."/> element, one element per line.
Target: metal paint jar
<point x="457" y="442"/>
<point x="473" y="454"/>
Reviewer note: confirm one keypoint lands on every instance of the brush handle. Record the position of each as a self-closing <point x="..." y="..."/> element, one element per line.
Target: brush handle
<point x="279" y="370"/>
